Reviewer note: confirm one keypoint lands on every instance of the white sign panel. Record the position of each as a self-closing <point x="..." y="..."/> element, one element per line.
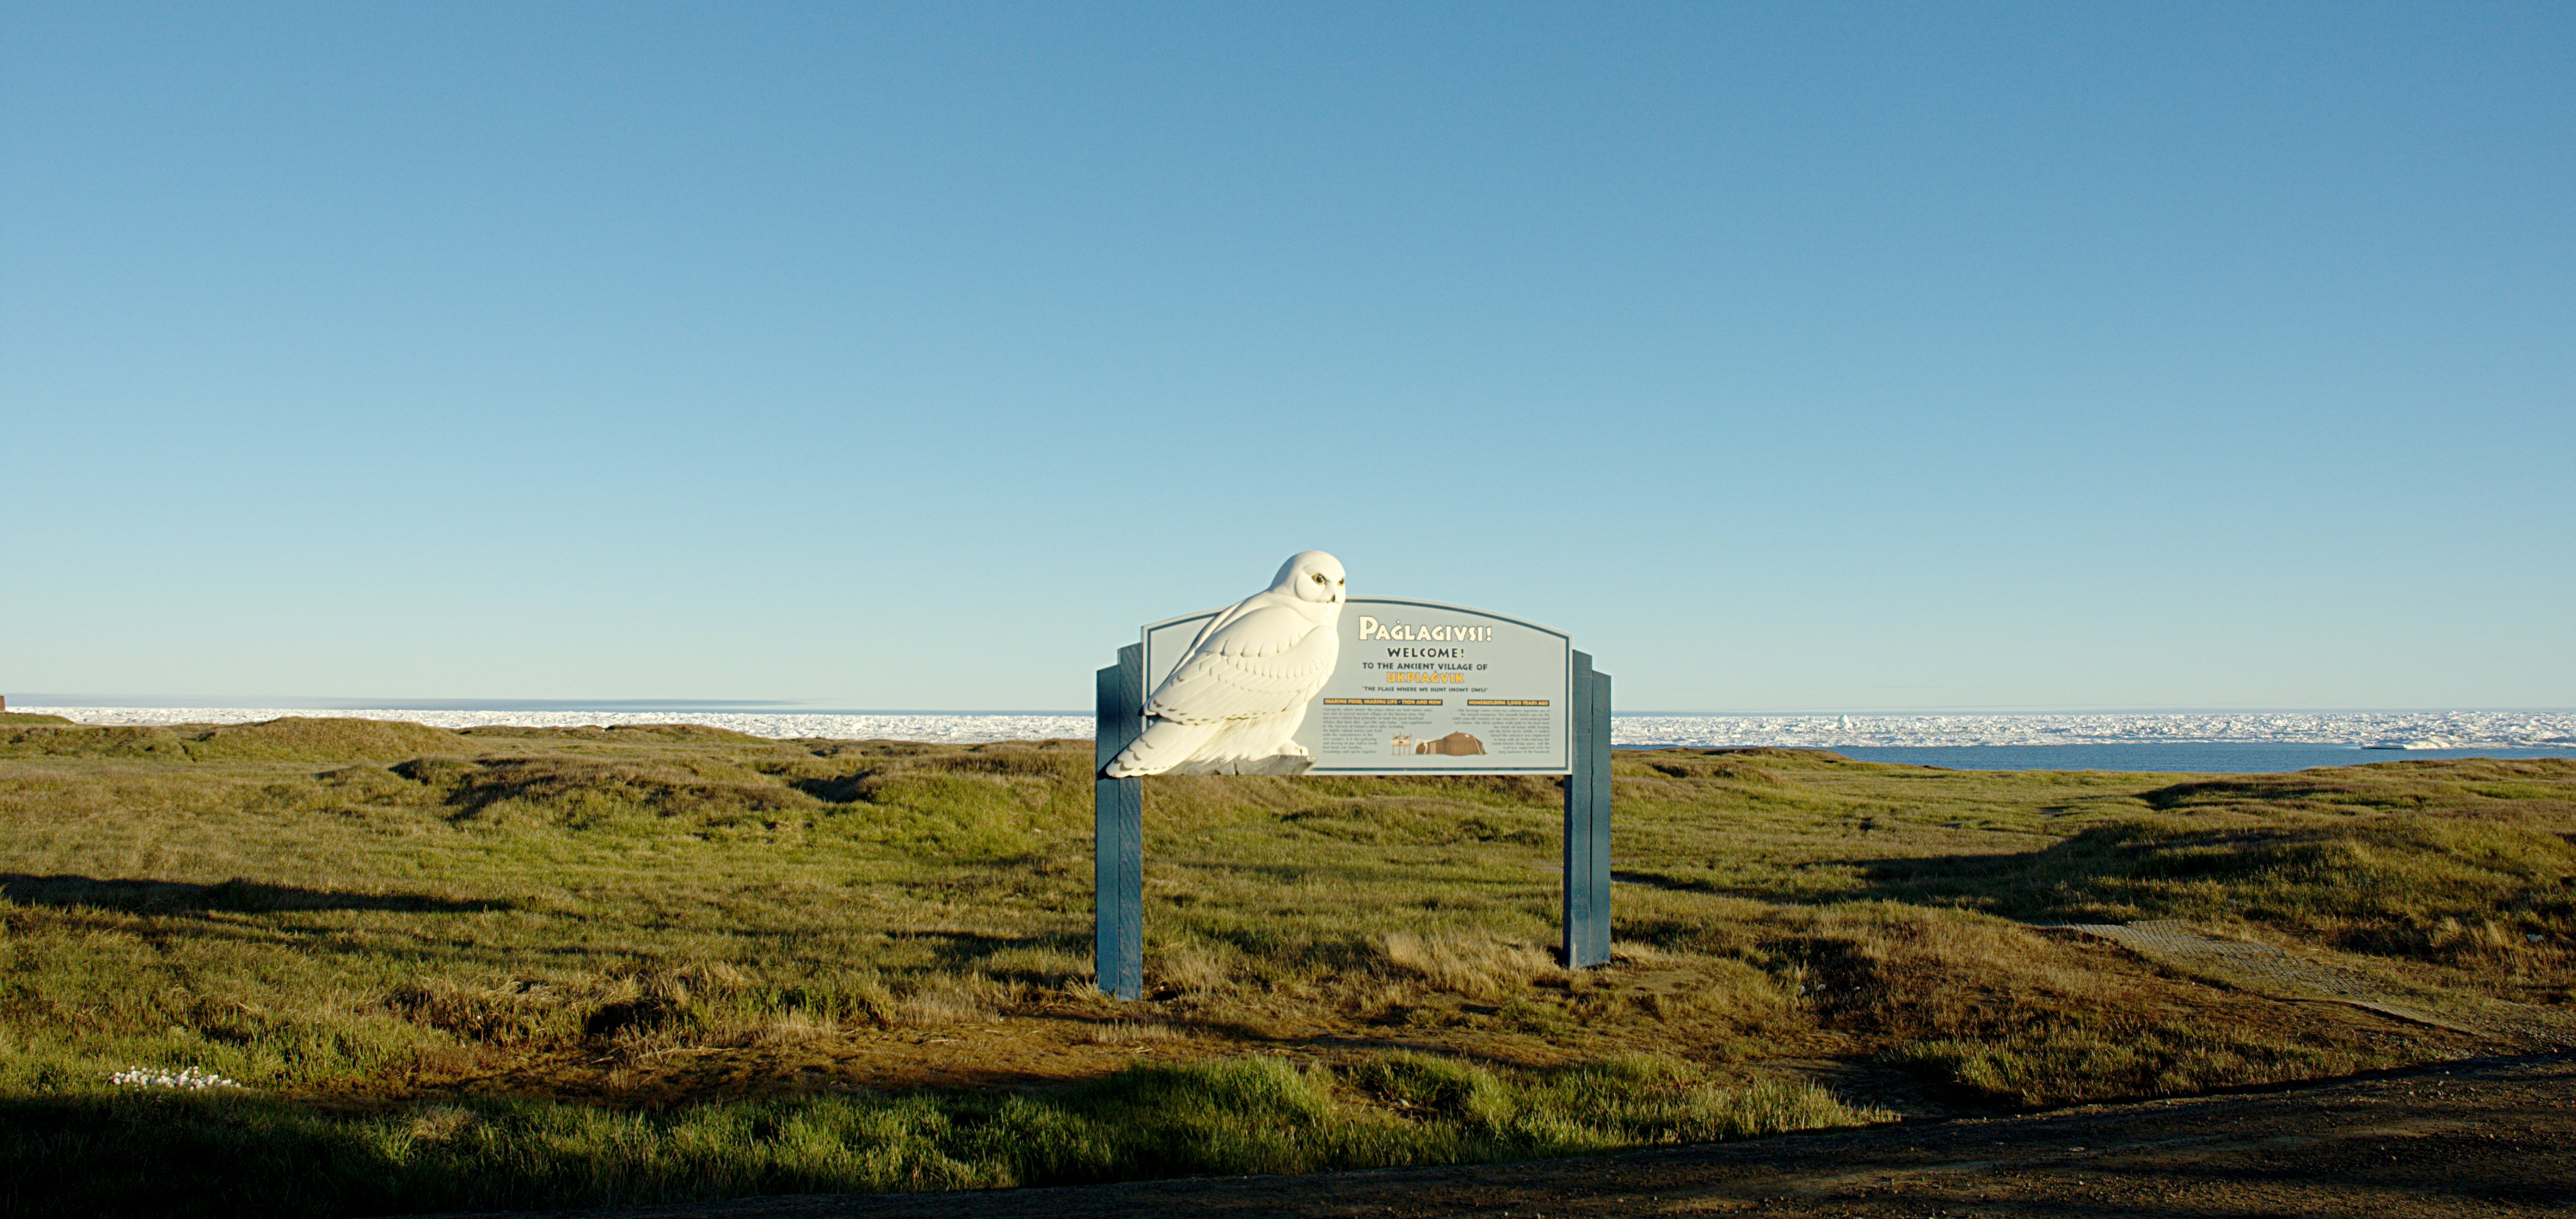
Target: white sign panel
<point x="1423" y="688"/>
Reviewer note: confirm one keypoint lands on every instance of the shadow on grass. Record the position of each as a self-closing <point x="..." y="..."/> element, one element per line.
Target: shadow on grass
<point x="2382" y="884"/>
<point x="52" y="1152"/>
<point x="1680" y="884"/>
<point x="2113" y="872"/>
<point x="1045" y="958"/>
<point x="240" y="896"/>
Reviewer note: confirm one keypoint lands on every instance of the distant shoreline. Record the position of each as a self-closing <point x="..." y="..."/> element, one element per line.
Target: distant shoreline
<point x="2387" y="736"/>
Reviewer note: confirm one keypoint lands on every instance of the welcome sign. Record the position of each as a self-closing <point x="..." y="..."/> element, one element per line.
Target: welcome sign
<point x="1299" y="679"/>
<point x="1423" y="688"/>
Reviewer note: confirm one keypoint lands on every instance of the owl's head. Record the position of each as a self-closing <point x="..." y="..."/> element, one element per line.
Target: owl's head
<point x="1311" y="575"/>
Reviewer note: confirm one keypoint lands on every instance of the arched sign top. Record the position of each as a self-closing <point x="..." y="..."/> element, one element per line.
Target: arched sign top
<point x="1421" y="687"/>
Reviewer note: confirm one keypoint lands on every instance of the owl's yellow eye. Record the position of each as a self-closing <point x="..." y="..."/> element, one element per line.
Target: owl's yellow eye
<point x="1318" y="577"/>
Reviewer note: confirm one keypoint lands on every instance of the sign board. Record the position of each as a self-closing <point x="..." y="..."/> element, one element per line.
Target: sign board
<point x="1424" y="688"/>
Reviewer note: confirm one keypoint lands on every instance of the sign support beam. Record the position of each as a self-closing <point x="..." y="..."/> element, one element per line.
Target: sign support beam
<point x="1118" y="833"/>
<point x="1587" y="820"/>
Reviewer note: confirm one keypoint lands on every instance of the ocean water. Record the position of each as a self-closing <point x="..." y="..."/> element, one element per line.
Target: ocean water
<point x="2414" y="730"/>
<point x="2237" y="742"/>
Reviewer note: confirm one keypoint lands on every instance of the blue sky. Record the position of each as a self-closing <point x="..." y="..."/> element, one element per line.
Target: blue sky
<point x="1791" y="357"/>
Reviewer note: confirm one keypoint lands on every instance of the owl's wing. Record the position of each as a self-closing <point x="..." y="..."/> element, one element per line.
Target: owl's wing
<point x="1262" y="662"/>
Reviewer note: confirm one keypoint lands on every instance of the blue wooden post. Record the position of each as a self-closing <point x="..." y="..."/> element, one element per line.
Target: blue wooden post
<point x="1587" y="819"/>
<point x="1597" y="925"/>
<point x="1118" y="833"/>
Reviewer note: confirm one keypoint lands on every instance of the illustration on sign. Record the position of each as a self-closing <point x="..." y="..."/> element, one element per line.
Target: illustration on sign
<point x="1407" y="687"/>
<point x="1231" y="703"/>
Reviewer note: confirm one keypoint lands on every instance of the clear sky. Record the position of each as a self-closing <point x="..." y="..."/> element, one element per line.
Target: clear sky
<point x="1790" y="357"/>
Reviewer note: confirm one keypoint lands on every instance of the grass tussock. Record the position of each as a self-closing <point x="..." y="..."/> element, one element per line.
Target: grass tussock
<point x="504" y="967"/>
<point x="1136" y="1032"/>
<point x="1467" y="964"/>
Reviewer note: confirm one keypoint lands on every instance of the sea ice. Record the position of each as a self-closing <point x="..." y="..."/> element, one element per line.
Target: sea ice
<point x="2385" y="729"/>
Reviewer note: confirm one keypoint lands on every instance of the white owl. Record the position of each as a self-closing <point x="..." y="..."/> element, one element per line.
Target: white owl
<point x="1239" y="693"/>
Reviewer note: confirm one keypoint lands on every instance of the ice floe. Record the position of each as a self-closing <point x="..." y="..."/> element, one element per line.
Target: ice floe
<point x="2377" y="729"/>
<point x="892" y="726"/>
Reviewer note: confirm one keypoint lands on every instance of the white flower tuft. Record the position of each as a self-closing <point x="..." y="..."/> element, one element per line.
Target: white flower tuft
<point x="189" y="1078"/>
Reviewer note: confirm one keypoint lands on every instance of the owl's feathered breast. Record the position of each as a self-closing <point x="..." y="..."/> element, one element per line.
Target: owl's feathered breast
<point x="1260" y="662"/>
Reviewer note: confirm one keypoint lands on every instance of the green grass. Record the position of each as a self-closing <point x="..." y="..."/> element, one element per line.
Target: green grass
<point x="507" y="967"/>
<point x="1241" y="1116"/>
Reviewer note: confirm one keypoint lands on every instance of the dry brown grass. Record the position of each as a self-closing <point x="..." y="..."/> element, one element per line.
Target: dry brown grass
<point x="933" y="1003"/>
<point x="1468" y="963"/>
<point x="1136" y="1032"/>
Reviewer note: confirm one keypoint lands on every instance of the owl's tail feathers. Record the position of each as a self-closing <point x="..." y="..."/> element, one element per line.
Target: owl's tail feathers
<point x="1165" y="744"/>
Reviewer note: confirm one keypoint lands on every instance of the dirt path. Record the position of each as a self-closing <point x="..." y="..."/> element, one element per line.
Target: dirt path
<point x="2472" y="1139"/>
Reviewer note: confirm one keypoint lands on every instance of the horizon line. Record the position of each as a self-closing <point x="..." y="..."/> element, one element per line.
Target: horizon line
<point x="794" y="707"/>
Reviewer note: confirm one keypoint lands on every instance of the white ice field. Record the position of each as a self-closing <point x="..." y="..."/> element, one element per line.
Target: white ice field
<point x="2398" y="729"/>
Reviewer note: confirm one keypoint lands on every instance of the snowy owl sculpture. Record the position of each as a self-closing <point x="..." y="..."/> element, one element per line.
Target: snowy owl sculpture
<point x="1239" y="693"/>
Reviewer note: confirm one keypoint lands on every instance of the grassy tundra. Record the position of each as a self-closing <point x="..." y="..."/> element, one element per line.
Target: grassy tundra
<point x="517" y="967"/>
